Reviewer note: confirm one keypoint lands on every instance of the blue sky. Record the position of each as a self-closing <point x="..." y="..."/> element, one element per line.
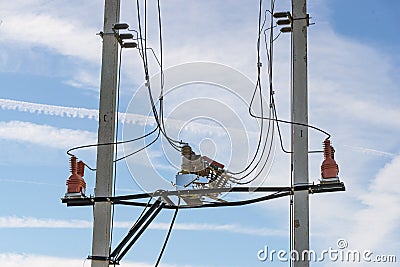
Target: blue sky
<point x="49" y="72"/>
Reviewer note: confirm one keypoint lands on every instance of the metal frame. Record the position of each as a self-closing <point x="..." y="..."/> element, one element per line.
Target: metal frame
<point x="102" y="201"/>
<point x="155" y="208"/>
<point x="123" y="200"/>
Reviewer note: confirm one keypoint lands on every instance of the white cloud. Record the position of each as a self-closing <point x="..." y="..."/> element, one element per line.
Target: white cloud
<point x="16" y="260"/>
<point x="352" y="82"/>
<point x="45" y="135"/>
<point x="34" y="32"/>
<point x="372" y="151"/>
<point x="93" y="114"/>
<point x="61" y="35"/>
<point x="351" y="92"/>
<point x="381" y="212"/>
<point x="32" y="260"/>
<point x="367" y="219"/>
<point x="31" y="222"/>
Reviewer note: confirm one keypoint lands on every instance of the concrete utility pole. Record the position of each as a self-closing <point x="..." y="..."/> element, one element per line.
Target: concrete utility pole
<point x="106" y="134"/>
<point x="299" y="96"/>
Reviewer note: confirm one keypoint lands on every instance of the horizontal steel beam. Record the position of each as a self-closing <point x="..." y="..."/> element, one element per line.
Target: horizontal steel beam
<point x="311" y="188"/>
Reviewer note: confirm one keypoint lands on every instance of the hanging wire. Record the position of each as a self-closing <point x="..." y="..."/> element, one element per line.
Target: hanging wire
<point x="169" y="233"/>
<point x="160" y="126"/>
<point x="140" y="217"/>
<point x="270" y="132"/>
<point x="269" y="50"/>
<point x="174" y="143"/>
<point x="112" y="143"/>
<point x="142" y="148"/>
<point x="116" y="146"/>
<point x="259" y="87"/>
<point x="262" y="167"/>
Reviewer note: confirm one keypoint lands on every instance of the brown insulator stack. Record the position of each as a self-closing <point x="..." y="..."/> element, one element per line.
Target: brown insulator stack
<point x="329" y="167"/>
<point x="76" y="183"/>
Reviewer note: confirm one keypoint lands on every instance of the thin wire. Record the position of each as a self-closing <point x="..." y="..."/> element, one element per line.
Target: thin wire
<point x="161" y="50"/>
<point x="145" y="66"/>
<point x="269" y="53"/>
<point x="146" y="146"/>
<point x="291" y="226"/>
<point x="169" y="233"/>
<point x="261" y="98"/>
<point x="264" y="165"/>
<point x="143" y="54"/>
<point x="108" y="144"/>
<point x="270" y="68"/>
<point x="116" y="146"/>
<point x="259" y="161"/>
<point x="280" y="193"/>
<point x="258" y="86"/>
<point x="161" y="97"/>
<point x="140" y="217"/>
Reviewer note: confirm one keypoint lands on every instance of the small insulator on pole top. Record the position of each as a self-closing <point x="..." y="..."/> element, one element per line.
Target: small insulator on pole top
<point x="281" y="14"/>
<point x="329" y="167"/>
<point x="120" y="26"/>
<point x="129" y="45"/>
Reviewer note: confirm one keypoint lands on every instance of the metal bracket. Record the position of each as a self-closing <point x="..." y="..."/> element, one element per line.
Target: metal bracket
<point x="98" y="258"/>
<point x="136" y="231"/>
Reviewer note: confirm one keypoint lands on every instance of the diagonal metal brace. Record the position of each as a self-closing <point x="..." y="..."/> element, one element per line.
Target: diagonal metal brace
<point x="136" y="231"/>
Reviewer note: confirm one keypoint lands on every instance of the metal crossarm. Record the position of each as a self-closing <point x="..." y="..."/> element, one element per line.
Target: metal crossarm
<point x="279" y="191"/>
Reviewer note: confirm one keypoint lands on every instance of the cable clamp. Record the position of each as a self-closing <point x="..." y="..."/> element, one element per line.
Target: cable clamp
<point x="99" y="258"/>
<point x="307" y="18"/>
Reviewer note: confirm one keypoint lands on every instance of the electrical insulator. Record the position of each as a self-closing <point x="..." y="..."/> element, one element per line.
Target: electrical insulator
<point x="129" y="45"/>
<point x="283" y="22"/>
<point x="76" y="185"/>
<point x="286" y="29"/>
<point x="281" y="14"/>
<point x="121" y="26"/>
<point x="186" y="152"/>
<point x="329" y="167"/>
<point x="123" y="36"/>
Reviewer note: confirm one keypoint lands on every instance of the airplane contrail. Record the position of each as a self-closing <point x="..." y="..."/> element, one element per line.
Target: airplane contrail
<point x="71" y="112"/>
<point x="93" y="114"/>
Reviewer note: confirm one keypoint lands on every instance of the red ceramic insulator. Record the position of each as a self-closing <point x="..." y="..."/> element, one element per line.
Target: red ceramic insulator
<point x="75" y="183"/>
<point x="73" y="167"/>
<point x="329" y="167"/>
<point x="81" y="168"/>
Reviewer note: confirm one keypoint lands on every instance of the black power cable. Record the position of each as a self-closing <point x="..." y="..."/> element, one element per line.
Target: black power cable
<point x="272" y="99"/>
<point x="258" y="86"/>
<point x="168" y="233"/>
<point x="116" y="146"/>
<point x="157" y="117"/>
